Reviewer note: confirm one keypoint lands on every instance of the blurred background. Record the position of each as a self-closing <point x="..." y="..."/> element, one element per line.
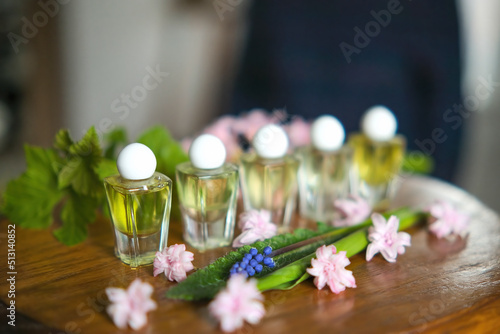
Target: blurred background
<point x="183" y="63"/>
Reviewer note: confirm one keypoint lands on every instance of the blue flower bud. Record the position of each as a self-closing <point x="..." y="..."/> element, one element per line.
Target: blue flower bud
<point x="253" y="262"/>
<point x="248" y="256"/>
<point x="259" y="257"/>
<point x="253" y="251"/>
<point x="258" y="268"/>
<point x="250" y="271"/>
<point x="267" y="250"/>
<point x="269" y="262"/>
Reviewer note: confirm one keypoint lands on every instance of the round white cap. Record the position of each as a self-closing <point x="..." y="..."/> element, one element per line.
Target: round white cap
<point x="270" y="142"/>
<point x="379" y="123"/>
<point x="207" y="152"/>
<point x="327" y="133"/>
<point x="136" y="162"/>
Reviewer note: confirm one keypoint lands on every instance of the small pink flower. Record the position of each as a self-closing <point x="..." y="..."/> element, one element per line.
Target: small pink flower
<point x="248" y="124"/>
<point x="130" y="306"/>
<point x="299" y="132"/>
<point x="329" y="269"/>
<point x="446" y="220"/>
<point x="386" y="239"/>
<point x="174" y="261"/>
<point x="353" y="209"/>
<point x="240" y="301"/>
<point x="255" y="225"/>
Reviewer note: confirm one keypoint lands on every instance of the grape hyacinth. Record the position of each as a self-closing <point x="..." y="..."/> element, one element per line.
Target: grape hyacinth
<point x="253" y="262"/>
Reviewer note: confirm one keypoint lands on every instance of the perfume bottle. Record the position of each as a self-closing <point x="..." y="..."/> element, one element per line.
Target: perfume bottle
<point x="207" y="189"/>
<point x="324" y="169"/>
<point x="139" y="202"/>
<point x="269" y="176"/>
<point x="378" y="155"/>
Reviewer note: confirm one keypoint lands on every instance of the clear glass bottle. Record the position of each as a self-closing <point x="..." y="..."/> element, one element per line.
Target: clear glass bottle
<point x="378" y="156"/>
<point x="324" y="170"/>
<point x="208" y="189"/>
<point x="139" y="201"/>
<point x="269" y="176"/>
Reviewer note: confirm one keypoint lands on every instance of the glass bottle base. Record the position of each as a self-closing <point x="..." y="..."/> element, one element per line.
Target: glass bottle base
<point x="203" y="236"/>
<point x="137" y="252"/>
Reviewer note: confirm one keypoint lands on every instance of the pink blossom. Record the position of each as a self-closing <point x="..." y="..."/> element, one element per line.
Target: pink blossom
<point x="386" y="239"/>
<point x="248" y="124"/>
<point x="174" y="261"/>
<point x="240" y="301"/>
<point x="353" y="210"/>
<point x="130" y="306"/>
<point x="255" y="225"/>
<point x="329" y="269"/>
<point x="299" y="132"/>
<point x="446" y="220"/>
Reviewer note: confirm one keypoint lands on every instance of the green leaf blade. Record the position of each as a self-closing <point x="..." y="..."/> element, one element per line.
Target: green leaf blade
<point x="30" y="199"/>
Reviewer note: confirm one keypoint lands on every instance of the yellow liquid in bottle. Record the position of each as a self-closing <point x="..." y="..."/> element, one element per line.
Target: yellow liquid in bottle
<point x="375" y="166"/>
<point x="140" y="212"/>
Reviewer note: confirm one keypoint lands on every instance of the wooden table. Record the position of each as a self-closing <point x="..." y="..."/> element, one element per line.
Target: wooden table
<point x="436" y="286"/>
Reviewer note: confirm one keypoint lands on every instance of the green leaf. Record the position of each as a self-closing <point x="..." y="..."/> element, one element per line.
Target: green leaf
<point x="105" y="168"/>
<point x="114" y="139"/>
<point x="63" y="141"/>
<point x="206" y="282"/>
<point x="78" y="172"/>
<point x="293" y="274"/>
<point x="30" y="199"/>
<point x="416" y="162"/>
<point x="167" y="150"/>
<point x="78" y="211"/>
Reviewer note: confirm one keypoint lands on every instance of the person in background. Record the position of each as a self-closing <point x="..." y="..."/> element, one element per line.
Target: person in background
<point x="342" y="57"/>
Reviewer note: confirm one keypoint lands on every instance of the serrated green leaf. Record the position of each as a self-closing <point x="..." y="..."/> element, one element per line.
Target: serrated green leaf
<point x="113" y="140"/>
<point x="105" y="168"/>
<point x="63" y="141"/>
<point x="30" y="199"/>
<point x="79" y="169"/>
<point x="167" y="150"/>
<point x="78" y="211"/>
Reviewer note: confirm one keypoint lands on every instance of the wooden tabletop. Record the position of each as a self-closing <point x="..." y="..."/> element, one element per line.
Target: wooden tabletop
<point x="436" y="286"/>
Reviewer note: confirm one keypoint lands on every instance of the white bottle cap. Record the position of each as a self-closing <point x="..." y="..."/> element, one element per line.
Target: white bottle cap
<point x="270" y="142"/>
<point x="379" y="123"/>
<point x="136" y="162"/>
<point x="207" y="152"/>
<point x="327" y="133"/>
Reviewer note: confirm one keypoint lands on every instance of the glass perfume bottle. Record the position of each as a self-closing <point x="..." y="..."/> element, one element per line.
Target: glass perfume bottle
<point x="378" y="156"/>
<point x="208" y="189"/>
<point x="324" y="170"/>
<point x="139" y="202"/>
<point x="269" y="176"/>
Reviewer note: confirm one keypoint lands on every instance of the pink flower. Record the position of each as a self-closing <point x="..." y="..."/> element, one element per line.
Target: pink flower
<point x="329" y="269"/>
<point x="248" y="124"/>
<point x="353" y="209"/>
<point x="386" y="239"/>
<point x="255" y="225"/>
<point x="174" y="261"/>
<point x="240" y="301"/>
<point x="299" y="132"/>
<point x="130" y="306"/>
<point x="447" y="221"/>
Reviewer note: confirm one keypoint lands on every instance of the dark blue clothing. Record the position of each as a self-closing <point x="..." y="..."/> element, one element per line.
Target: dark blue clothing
<point x="411" y="64"/>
